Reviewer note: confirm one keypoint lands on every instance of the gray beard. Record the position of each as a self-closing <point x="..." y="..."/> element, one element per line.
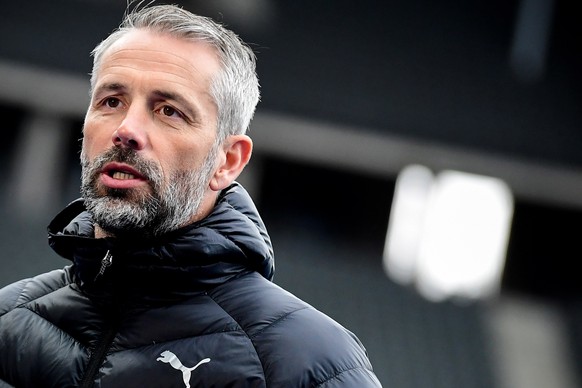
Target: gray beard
<point x="171" y="203"/>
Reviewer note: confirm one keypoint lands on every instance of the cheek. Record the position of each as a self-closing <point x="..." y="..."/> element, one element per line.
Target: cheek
<point x="185" y="162"/>
<point x="95" y="142"/>
<point x="191" y="156"/>
<point x="88" y="147"/>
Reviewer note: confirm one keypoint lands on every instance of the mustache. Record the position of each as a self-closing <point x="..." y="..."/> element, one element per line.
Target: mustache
<point x="122" y="155"/>
<point x="146" y="168"/>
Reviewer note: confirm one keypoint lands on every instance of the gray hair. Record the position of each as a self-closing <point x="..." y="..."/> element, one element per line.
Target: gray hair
<point x="235" y="89"/>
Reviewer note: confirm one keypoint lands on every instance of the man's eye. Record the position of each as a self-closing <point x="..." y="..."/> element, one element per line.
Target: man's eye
<point x="112" y="102"/>
<point x="169" y="111"/>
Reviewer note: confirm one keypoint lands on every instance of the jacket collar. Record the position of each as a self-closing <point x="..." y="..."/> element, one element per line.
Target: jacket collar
<point x="230" y="241"/>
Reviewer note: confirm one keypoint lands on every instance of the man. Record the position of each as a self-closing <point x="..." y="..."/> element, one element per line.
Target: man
<point x="171" y="264"/>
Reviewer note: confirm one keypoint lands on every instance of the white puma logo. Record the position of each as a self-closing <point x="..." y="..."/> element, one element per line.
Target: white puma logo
<point x="170" y="358"/>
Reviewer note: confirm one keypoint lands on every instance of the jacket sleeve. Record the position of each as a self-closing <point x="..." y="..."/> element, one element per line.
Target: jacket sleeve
<point x="10" y="295"/>
<point x="26" y="290"/>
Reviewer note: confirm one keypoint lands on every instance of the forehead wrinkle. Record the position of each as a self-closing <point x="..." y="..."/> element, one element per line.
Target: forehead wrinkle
<point x="127" y="54"/>
<point x="186" y="78"/>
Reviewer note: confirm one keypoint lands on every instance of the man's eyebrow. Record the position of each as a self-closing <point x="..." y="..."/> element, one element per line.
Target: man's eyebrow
<point x="110" y="87"/>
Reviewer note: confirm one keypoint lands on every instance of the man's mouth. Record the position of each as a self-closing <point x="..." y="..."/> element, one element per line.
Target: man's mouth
<point x="121" y="175"/>
<point x="121" y="171"/>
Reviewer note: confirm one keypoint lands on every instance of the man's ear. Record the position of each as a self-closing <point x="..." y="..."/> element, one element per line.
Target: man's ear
<point x="235" y="155"/>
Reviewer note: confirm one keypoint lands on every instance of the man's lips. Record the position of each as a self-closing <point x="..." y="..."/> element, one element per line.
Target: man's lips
<point x="121" y="176"/>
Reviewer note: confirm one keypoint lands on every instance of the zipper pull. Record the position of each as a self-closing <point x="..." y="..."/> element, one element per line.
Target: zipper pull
<point x="105" y="263"/>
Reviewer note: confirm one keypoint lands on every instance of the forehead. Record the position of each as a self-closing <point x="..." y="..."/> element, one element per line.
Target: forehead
<point x="150" y="51"/>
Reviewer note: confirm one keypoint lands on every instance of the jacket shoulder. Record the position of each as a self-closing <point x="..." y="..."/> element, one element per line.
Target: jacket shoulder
<point x="27" y="290"/>
<point x="297" y="344"/>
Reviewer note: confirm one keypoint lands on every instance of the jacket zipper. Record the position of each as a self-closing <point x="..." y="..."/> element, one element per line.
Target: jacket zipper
<point x="98" y="356"/>
<point x="105" y="340"/>
<point x="105" y="263"/>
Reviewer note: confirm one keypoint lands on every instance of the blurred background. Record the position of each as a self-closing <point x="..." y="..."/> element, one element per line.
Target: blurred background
<point x="418" y="164"/>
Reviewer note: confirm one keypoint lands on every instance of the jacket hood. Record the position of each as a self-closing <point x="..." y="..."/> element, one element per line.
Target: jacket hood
<point x="230" y="241"/>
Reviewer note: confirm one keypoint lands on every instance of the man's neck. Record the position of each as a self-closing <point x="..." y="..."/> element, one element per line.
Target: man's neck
<point x="100" y="233"/>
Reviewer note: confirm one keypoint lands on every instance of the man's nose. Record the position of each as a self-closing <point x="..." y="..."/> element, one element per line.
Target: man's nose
<point x="131" y="132"/>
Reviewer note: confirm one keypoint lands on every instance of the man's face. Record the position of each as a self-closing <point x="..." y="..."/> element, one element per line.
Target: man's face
<point x="149" y="137"/>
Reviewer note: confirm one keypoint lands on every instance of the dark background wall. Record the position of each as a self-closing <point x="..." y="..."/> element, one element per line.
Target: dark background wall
<point x="439" y="71"/>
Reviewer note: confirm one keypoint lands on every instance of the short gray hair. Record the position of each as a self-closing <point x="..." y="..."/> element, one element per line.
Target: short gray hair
<point x="235" y="89"/>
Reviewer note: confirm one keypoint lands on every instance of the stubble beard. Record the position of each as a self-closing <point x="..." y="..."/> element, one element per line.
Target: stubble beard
<point x="169" y="204"/>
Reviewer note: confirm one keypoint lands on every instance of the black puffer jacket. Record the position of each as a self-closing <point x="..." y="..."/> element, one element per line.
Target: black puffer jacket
<point x="195" y="308"/>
